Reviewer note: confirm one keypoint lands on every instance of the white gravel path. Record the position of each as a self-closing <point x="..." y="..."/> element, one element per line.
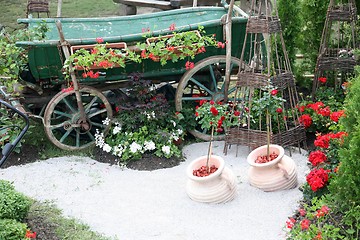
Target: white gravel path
<point x="153" y="205"/>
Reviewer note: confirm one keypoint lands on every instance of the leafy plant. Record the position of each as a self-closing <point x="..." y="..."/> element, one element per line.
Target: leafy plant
<point x="13" y="205"/>
<point x="147" y="124"/>
<point x="13" y="59"/>
<point x="314" y="221"/>
<point x="161" y="49"/>
<point x="345" y="187"/>
<point x="10" y="229"/>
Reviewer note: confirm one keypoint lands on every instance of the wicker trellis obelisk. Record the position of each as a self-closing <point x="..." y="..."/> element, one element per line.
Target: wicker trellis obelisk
<point x="269" y="65"/>
<point x="336" y="60"/>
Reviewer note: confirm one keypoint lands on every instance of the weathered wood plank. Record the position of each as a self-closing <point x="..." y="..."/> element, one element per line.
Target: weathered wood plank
<point x="165" y="5"/>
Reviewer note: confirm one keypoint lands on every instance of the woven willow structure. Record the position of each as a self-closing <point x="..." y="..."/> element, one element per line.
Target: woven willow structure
<point x="336" y="59"/>
<point x="268" y="67"/>
<point x="38" y="6"/>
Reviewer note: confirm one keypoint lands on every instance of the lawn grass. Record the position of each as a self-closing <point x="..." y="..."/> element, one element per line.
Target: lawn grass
<point x="14" y="9"/>
<point x="54" y="223"/>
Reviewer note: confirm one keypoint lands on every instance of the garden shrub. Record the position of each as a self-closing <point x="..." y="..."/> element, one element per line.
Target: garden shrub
<point x="147" y="124"/>
<point x="289" y="12"/>
<point x="13" y="205"/>
<point x="10" y="229"/>
<point x="346" y="186"/>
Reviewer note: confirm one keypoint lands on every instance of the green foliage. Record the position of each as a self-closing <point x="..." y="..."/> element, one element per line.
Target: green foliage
<point x="13" y="205"/>
<point x="64" y="228"/>
<point x="316" y="221"/>
<point x="13" y="59"/>
<point x="289" y="14"/>
<point x="10" y="229"/>
<point x="146" y="125"/>
<point x="346" y="186"/>
<point x="11" y="125"/>
<point x="313" y="15"/>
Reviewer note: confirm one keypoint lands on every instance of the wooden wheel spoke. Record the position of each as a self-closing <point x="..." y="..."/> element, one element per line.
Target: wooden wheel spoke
<point x="69" y="105"/>
<point x="97" y="112"/>
<point x="88" y="106"/>
<point x="212" y="74"/>
<point x="64" y="114"/>
<point x="91" y="136"/>
<point x="60" y="125"/>
<point x="77" y="139"/>
<point x="196" y="98"/>
<point x="62" y="139"/>
<point x="97" y="124"/>
<point x="201" y="86"/>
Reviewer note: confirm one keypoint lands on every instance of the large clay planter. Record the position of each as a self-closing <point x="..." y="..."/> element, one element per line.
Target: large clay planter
<point x="278" y="174"/>
<point x="218" y="187"/>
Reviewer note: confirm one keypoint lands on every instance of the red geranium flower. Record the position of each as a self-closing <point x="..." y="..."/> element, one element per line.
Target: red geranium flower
<point x="30" y="234"/>
<point x="290" y="223"/>
<point x="321" y="212"/>
<point x="322" y="79"/>
<point x="99" y="40"/>
<point x="189" y="65"/>
<point x="317" y="178"/>
<point x="305" y="224"/>
<point x="172" y="27"/>
<point x="317" y="157"/>
<point x="306" y="120"/>
<point x="336" y="115"/>
<point x="279" y="110"/>
<point x="274" y="92"/>
<point x="324" y="111"/>
<point x="302" y="212"/>
<point x="214" y="111"/>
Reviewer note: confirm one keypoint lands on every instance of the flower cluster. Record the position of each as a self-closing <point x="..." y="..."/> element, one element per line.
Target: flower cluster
<point x="216" y="115"/>
<point x="318" y="116"/>
<point x="317" y="178"/>
<point x="174" y="47"/>
<point x="312" y="222"/>
<point x="317" y="157"/>
<point x="323" y="141"/>
<point x="29" y="234"/>
<point x="178" y="46"/>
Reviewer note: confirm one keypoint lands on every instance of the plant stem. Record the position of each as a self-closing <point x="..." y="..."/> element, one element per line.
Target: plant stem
<point x="268" y="132"/>
<point x="209" y="150"/>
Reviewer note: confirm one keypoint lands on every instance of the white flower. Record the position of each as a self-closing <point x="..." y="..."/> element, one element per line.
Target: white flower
<point x="106" y="121"/>
<point x="166" y="150"/>
<point x="173" y="122"/>
<point x="99" y="139"/>
<point x="149" y="145"/>
<point x="180" y="131"/>
<point x="116" y="130"/>
<point x="134" y="147"/>
<point x="153" y="114"/>
<point x="106" y="148"/>
<point x="118" y="150"/>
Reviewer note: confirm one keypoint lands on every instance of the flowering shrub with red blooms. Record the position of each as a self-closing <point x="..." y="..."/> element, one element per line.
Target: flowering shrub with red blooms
<point x="323" y="141"/>
<point x="175" y="47"/>
<point x="29" y="234"/>
<point x="305" y="224"/>
<point x="313" y="224"/>
<point x="217" y="115"/>
<point x="306" y="120"/>
<point x="322" y="79"/>
<point x="317" y="157"/>
<point x="334" y="116"/>
<point x="317" y="178"/>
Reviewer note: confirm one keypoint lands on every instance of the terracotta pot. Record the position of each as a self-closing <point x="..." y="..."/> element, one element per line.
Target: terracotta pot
<point x="278" y="174"/>
<point x="218" y="187"/>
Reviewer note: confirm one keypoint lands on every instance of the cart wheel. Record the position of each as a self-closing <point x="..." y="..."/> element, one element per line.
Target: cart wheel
<point x="205" y="82"/>
<point x="61" y="118"/>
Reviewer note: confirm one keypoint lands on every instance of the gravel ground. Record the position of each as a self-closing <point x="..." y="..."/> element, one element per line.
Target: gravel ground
<point x="152" y="205"/>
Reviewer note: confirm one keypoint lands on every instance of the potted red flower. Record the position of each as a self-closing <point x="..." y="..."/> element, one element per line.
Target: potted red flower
<point x="209" y="179"/>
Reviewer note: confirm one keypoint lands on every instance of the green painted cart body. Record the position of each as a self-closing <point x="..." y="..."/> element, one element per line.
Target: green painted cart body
<point x="77" y="113"/>
<point x="46" y="58"/>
